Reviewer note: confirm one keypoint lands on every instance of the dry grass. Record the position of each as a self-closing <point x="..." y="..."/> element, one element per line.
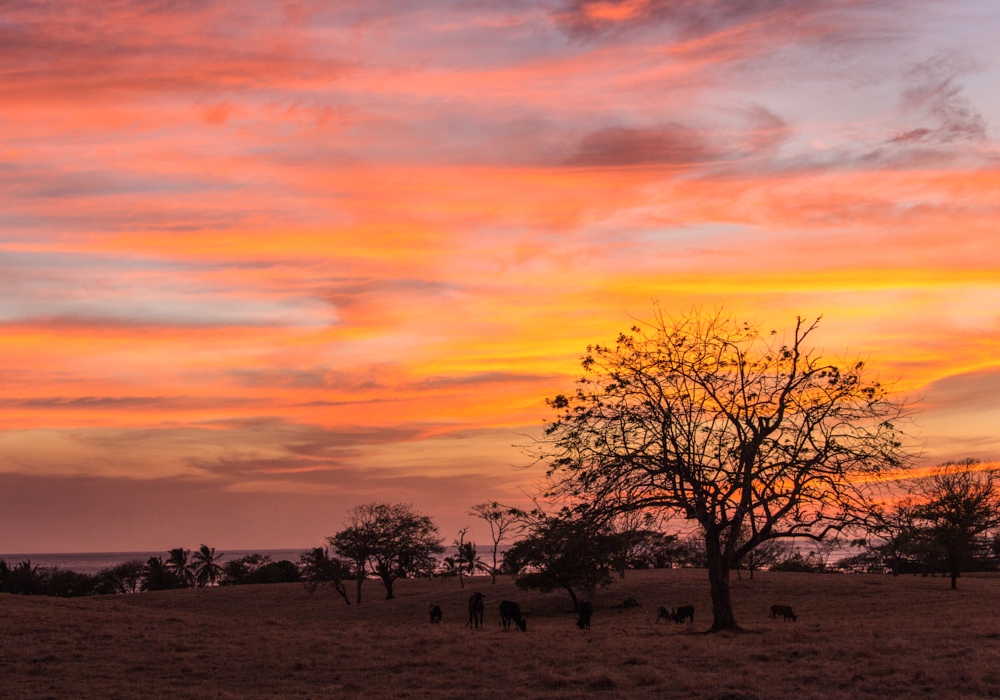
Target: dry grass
<point x="857" y="637"/>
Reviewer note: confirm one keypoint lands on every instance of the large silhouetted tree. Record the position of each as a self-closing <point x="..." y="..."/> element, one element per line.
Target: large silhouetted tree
<point x="754" y="436"/>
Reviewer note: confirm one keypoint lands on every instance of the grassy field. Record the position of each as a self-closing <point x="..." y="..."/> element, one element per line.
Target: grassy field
<point x="856" y="637"/>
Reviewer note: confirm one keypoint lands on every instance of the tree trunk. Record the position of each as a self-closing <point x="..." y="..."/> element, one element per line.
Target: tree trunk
<point x="718" y="577"/>
<point x="493" y="572"/>
<point x="361" y="579"/>
<point x="572" y="594"/>
<point x="339" y="586"/>
<point x="461" y="583"/>
<point x="388" y="587"/>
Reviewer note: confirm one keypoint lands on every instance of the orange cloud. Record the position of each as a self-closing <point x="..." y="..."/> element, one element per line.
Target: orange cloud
<point x="342" y="251"/>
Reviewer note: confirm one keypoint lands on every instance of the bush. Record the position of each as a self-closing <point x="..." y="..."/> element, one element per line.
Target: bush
<point x="800" y="564"/>
<point x="256" y="569"/>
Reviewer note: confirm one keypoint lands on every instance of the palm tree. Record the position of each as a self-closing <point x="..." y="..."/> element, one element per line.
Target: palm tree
<point x="469" y="561"/>
<point x="156" y="576"/>
<point x="206" y="570"/>
<point x="178" y="565"/>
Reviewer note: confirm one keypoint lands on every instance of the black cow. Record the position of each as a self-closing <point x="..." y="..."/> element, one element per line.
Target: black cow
<point x="665" y="614"/>
<point x="511" y="612"/>
<point x="684" y="612"/>
<point x="584" y="611"/>
<point x="435" y="614"/>
<point x="476" y="611"/>
<point x="784" y="611"/>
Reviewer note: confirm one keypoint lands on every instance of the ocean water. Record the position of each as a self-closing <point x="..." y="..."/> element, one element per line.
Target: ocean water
<point x="92" y="562"/>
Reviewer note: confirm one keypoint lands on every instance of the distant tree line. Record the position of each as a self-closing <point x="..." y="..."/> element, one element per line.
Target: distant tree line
<point x="948" y="522"/>
<point x="179" y="569"/>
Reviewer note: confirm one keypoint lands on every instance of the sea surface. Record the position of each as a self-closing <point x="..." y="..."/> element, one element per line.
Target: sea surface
<point x="92" y="562"/>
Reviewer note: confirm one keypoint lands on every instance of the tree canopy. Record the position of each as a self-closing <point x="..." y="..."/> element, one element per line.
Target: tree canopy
<point x="753" y="435"/>
<point x="392" y="540"/>
<point x="959" y="504"/>
<point x="562" y="552"/>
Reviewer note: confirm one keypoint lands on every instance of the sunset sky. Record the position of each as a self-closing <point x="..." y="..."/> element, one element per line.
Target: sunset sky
<point x="263" y="261"/>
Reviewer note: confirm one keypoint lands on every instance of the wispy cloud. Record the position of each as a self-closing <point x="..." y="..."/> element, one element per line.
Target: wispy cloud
<point x="278" y="247"/>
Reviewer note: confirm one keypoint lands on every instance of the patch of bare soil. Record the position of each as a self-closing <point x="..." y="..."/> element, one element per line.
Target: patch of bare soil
<point x="856" y="637"/>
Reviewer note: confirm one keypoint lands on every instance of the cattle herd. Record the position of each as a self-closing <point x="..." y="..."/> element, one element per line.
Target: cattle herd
<point x="510" y="613"/>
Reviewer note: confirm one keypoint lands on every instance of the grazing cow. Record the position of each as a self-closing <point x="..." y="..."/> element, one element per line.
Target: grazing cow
<point x="435" y="614"/>
<point x="511" y="612"/>
<point x="784" y="611"/>
<point x="584" y="611"/>
<point x="665" y="614"/>
<point x="684" y="612"/>
<point x="476" y="611"/>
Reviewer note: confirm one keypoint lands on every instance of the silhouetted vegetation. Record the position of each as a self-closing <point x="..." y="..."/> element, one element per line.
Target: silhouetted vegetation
<point x="753" y="436"/>
<point x="465" y="562"/>
<point x="178" y="563"/>
<point x="157" y="576"/>
<point x="256" y="569"/>
<point x="125" y="577"/>
<point x="504" y="521"/>
<point x="766" y="555"/>
<point x="391" y="541"/>
<point x="959" y="505"/>
<point x="562" y="552"/>
<point x="636" y="545"/>
<point x="179" y="570"/>
<point x="25" y="579"/>
<point x="949" y="523"/>
<point x="206" y="567"/>
<point x="809" y="564"/>
<point x="318" y="567"/>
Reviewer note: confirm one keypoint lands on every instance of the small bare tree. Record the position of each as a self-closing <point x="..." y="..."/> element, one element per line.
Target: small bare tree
<point x="504" y="521"/>
<point x="743" y="432"/>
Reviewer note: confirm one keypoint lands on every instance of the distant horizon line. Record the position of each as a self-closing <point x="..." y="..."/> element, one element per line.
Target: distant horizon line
<point x="148" y="551"/>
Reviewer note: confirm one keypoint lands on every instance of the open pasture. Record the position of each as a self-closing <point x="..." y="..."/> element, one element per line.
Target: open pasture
<point x="856" y="637"/>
